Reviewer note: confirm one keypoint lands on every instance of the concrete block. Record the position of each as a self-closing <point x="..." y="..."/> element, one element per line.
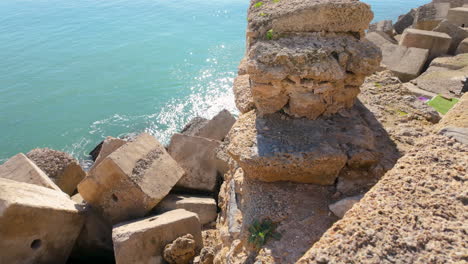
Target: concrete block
<point x="37" y="224"/>
<point x="458" y="16"/>
<point x="437" y="43"/>
<point x="380" y="39"/>
<point x="404" y="21"/>
<point x="109" y="145"/>
<point x="216" y="128"/>
<point x="463" y="47"/>
<point x="197" y="156"/>
<point x="132" y="180"/>
<point x="457" y="34"/>
<point x="20" y="168"/>
<point x="385" y="26"/>
<point x="205" y="207"/>
<point x="143" y="241"/>
<point x="428" y="16"/>
<point x="406" y="63"/>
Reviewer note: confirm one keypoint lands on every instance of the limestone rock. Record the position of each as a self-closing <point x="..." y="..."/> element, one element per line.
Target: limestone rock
<point x="446" y="76"/>
<point x="407" y="214"/>
<point x="405" y="63"/>
<point x="181" y="250"/>
<point x="458" y="16"/>
<point x="143" y="241"/>
<point x="460" y="134"/>
<point x="216" y="128"/>
<point x="340" y="207"/>
<point x="278" y="148"/>
<point x="384" y="26"/>
<point x="204" y="207"/>
<point x="207" y="255"/>
<point x="308" y="16"/>
<point x="62" y="168"/>
<point x="457" y="34"/>
<point x="242" y="68"/>
<point x="457" y="116"/>
<point x="243" y="94"/>
<point x="37" y="224"/>
<point x="132" y="180"/>
<point x="109" y="145"/>
<point x="436" y="42"/>
<point x="463" y="47"/>
<point x="196" y="155"/>
<point x="404" y="21"/>
<point x="20" y="168"/>
<point x="428" y="16"/>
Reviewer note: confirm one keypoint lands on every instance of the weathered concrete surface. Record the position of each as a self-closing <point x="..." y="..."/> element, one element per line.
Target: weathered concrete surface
<point x="405" y="63"/>
<point x="205" y="207"/>
<point x="216" y="128"/>
<point x="20" y="168"/>
<point x="143" y="241"/>
<point x="415" y="214"/>
<point x="458" y="16"/>
<point x="196" y="155"/>
<point x="181" y="250"/>
<point x="243" y="94"/>
<point x="340" y="207"/>
<point x="385" y="26"/>
<point x="380" y="39"/>
<point x="61" y="167"/>
<point x="37" y="224"/>
<point x="446" y="76"/>
<point x="310" y="75"/>
<point x="109" y="145"/>
<point x="279" y="148"/>
<point x="437" y="43"/>
<point x="463" y="47"/>
<point x="404" y="21"/>
<point x="132" y="180"/>
<point x="428" y="16"/>
<point x="457" y="34"/>
<point x="307" y="16"/>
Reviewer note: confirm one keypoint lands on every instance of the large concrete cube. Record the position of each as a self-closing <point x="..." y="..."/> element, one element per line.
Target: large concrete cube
<point x="458" y="16"/>
<point x="143" y="241"/>
<point x="457" y="34"/>
<point x="406" y="63"/>
<point x="37" y="224"/>
<point x="463" y="47"/>
<point x="20" y="168"/>
<point x="205" y="207"/>
<point x="436" y="42"/>
<point x="428" y="16"/>
<point x="132" y="180"/>
<point x="109" y="145"/>
<point x="385" y="26"/>
<point x="197" y="156"/>
<point x="216" y="128"/>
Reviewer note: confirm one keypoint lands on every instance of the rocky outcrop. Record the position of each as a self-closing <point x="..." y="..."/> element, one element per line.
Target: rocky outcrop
<point x="415" y="214"/>
<point x="61" y="167"/>
<point x="181" y="250"/>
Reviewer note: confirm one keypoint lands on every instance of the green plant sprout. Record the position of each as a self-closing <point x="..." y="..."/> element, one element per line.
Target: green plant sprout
<point x="261" y="232"/>
<point x="269" y="34"/>
<point x="276" y="1"/>
<point x="262" y="14"/>
<point x="259" y="4"/>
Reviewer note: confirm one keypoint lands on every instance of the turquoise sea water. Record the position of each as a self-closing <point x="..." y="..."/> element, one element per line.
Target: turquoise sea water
<point x="73" y="72"/>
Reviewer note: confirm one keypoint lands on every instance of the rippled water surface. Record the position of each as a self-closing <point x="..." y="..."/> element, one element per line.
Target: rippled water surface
<point x="73" y="72"/>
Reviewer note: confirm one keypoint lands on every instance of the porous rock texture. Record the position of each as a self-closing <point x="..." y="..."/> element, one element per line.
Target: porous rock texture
<point x="307" y="57"/>
<point x="181" y="250"/>
<point x="61" y="167"/>
<point x="415" y="214"/>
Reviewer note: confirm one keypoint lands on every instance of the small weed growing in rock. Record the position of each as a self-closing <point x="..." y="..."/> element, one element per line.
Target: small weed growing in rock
<point x="262" y="14"/>
<point x="259" y="4"/>
<point x="276" y="1"/>
<point x="269" y="34"/>
<point x="261" y="232"/>
<point x="378" y="85"/>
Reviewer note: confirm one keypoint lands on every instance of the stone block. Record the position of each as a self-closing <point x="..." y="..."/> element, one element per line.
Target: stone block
<point x="243" y="94"/>
<point x="61" y="167"/>
<point x="197" y="156"/>
<point x="428" y="16"/>
<point x="457" y="34"/>
<point x="205" y="207"/>
<point x="406" y="63"/>
<point x="457" y="116"/>
<point x="109" y="145"/>
<point x="37" y="224"/>
<point x="458" y="16"/>
<point x="437" y="43"/>
<point x="132" y="180"/>
<point x="275" y="147"/>
<point x="340" y="207"/>
<point x="143" y="241"/>
<point x="379" y="39"/>
<point x="216" y="128"/>
<point x="20" y="168"/>
<point x="404" y="21"/>
<point x="463" y="47"/>
<point x="446" y="76"/>
<point x="385" y="26"/>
